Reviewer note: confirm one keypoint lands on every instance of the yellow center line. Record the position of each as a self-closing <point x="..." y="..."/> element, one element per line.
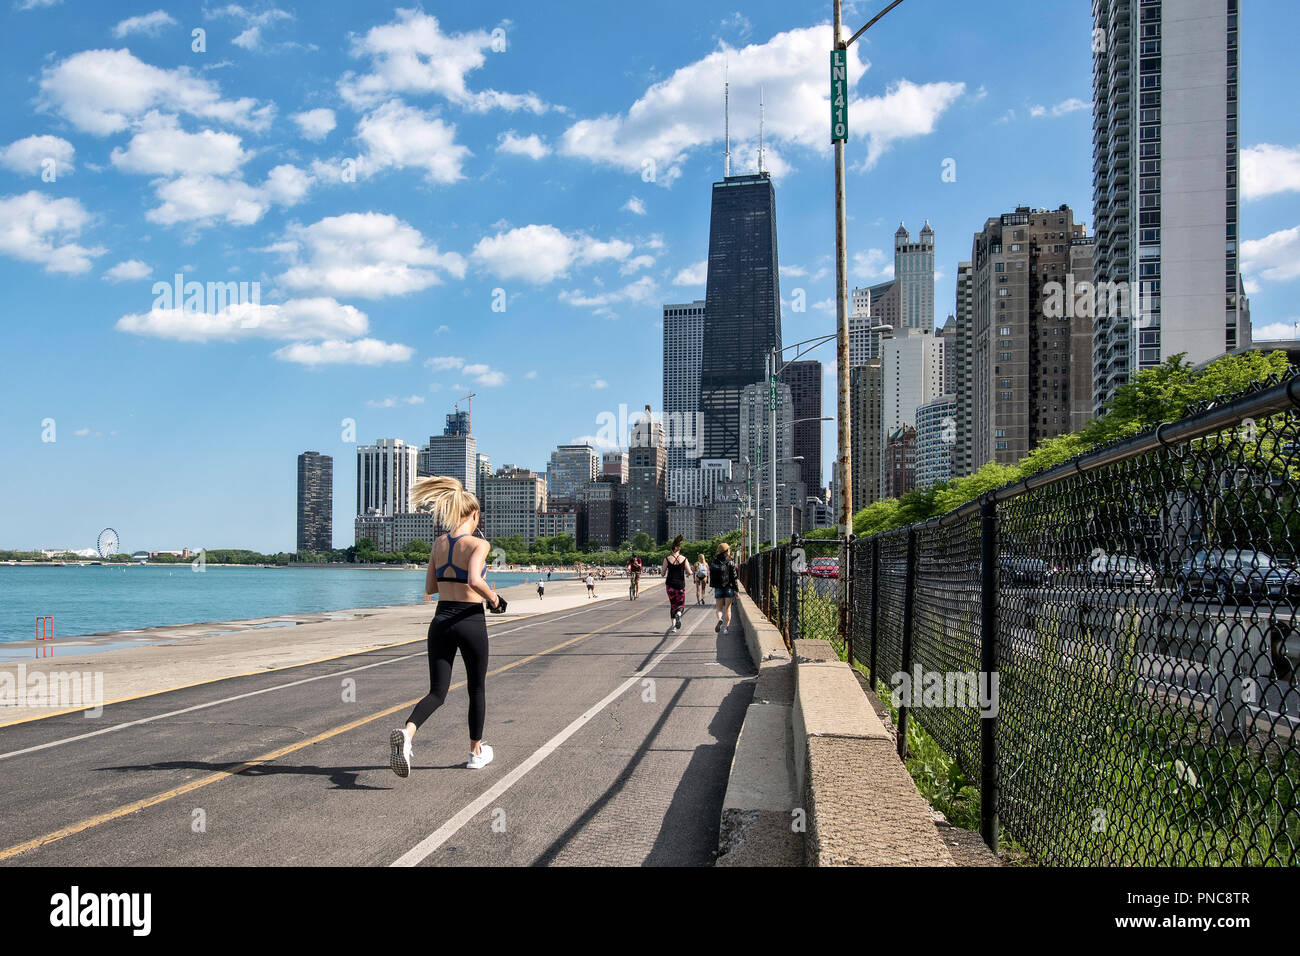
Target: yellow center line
<point x="193" y="785"/>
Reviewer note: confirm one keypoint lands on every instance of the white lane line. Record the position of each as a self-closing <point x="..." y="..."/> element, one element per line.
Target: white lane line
<point x="265" y="690"/>
<point x="429" y="844"/>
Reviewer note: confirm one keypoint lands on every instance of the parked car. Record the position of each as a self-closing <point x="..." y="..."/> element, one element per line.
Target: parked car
<point x="1231" y="576"/>
<point x="823" y="568"/>
<point x="1112" y="571"/>
<point x="1024" y="570"/>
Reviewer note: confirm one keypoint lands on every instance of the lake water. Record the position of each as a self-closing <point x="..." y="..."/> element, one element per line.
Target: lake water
<point x="98" y="598"/>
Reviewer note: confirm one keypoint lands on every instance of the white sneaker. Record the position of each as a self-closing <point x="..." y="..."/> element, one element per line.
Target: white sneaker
<point x="480" y="760"/>
<point x="677" y="620"/>
<point x="400" y="758"/>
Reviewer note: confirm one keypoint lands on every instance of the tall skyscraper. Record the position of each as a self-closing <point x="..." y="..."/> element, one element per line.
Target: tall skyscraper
<point x="936" y="440"/>
<point x="454" y="453"/>
<point x="1028" y="338"/>
<point x="385" y="472"/>
<point x="570" y="470"/>
<point x="683" y="344"/>
<point x="961" y="385"/>
<point x="1166" y="168"/>
<point x="912" y="364"/>
<point x="756" y="434"/>
<point x="315" y="502"/>
<point x="805" y="381"/>
<point x="647" y="479"/>
<point x="914" y="278"/>
<point x="866" y="432"/>
<point x="742" y="305"/>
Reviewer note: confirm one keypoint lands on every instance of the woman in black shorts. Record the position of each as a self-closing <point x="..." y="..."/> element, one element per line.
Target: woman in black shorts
<point x="458" y="624"/>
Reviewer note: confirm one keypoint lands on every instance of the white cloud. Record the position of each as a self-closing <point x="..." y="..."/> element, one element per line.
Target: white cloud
<point x="444" y="363"/>
<point x="204" y="200"/>
<point x="642" y="290"/>
<point x="29" y="155"/>
<point x="162" y="148"/>
<point x="1276" y="330"/>
<point x="485" y="374"/>
<point x="1071" y="105"/>
<point x="105" y="91"/>
<point x="600" y="383"/>
<point x="442" y="328"/>
<point x="531" y="145"/>
<point x="635" y="264"/>
<point x="335" y="352"/>
<point x="35" y="4"/>
<point x="251" y="37"/>
<point x="1275" y="258"/>
<point x="874" y="265"/>
<point x="394" y="402"/>
<point x="411" y="55"/>
<point x="635" y="206"/>
<point x="1267" y="169"/>
<point x="542" y="253"/>
<point x="130" y="270"/>
<point x="793" y="271"/>
<point x="315" y="125"/>
<point x="397" y="136"/>
<point x="149" y="23"/>
<point x="682" y="113"/>
<point x="531" y="374"/>
<point x="696" y="274"/>
<point x="37" y="228"/>
<point x="294" y="320"/>
<point x="370" y="255"/>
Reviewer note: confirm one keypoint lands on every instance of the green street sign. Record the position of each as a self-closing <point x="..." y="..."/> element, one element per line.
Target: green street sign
<point x="772" y="393"/>
<point x="839" y="96"/>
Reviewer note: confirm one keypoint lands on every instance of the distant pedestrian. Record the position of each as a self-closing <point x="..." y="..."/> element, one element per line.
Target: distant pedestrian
<point x="458" y="624"/>
<point x="701" y="579"/>
<point x="722" y="575"/>
<point x="541" y="589"/>
<point x="675" y="581"/>
<point x="591" y="585"/>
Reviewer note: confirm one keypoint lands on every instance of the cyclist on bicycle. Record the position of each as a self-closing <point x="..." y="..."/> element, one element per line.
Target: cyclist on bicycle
<point x="634" y="572"/>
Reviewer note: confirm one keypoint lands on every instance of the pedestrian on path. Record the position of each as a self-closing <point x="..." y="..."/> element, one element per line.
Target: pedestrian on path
<point x="675" y="581"/>
<point x="541" y="589"/>
<point x="591" y="586"/>
<point x="459" y="623"/>
<point x="701" y="579"/>
<point x="722" y="575"/>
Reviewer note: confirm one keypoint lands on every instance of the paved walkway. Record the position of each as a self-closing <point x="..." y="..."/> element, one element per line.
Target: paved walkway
<point x="613" y="742"/>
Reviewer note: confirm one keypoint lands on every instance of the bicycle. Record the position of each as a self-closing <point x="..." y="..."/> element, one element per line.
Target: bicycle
<point x="633" y="587"/>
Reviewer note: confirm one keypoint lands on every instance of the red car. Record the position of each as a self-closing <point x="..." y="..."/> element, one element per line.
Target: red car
<point x="823" y="568"/>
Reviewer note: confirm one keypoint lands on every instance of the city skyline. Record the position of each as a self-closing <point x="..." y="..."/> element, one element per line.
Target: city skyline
<point x="579" y="336"/>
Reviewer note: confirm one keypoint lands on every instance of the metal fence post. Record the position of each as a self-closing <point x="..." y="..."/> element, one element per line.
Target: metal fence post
<point x="793" y="576"/>
<point x="989" y="580"/>
<point x="845" y="622"/>
<point x="875" y="607"/>
<point x="909" y="589"/>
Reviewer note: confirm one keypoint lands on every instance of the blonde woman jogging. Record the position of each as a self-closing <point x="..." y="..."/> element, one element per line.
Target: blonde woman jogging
<point x="722" y="575"/>
<point x="457" y="563"/>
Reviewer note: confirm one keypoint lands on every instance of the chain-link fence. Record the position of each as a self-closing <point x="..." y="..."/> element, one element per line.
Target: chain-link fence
<point x="1110" y="647"/>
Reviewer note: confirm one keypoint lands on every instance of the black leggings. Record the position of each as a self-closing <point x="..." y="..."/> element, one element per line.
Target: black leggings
<point x="457" y="624"/>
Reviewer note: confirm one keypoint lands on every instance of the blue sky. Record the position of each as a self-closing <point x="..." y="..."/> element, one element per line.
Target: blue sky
<point x="382" y="171"/>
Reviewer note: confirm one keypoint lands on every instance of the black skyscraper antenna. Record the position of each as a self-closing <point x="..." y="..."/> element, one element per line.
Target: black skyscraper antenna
<point x="760" y="130"/>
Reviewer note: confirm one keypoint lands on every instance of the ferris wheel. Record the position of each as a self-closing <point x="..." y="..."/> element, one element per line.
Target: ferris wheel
<point x="108" y="544"/>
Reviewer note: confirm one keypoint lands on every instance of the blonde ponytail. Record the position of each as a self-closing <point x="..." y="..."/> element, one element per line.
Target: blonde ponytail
<point x="451" y="503"/>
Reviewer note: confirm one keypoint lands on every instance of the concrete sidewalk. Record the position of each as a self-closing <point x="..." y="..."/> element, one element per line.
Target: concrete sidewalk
<point x="150" y="661"/>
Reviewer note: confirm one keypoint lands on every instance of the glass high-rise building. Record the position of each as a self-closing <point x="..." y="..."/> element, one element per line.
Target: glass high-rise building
<point x="315" y="502"/>
<point x="1166" y="97"/>
<point x="805" y="381"/>
<point x="571" y="469"/>
<point x="683" y="338"/>
<point x="742" y="320"/>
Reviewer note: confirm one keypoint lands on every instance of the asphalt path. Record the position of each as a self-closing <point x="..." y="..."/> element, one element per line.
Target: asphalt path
<point x="613" y="737"/>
